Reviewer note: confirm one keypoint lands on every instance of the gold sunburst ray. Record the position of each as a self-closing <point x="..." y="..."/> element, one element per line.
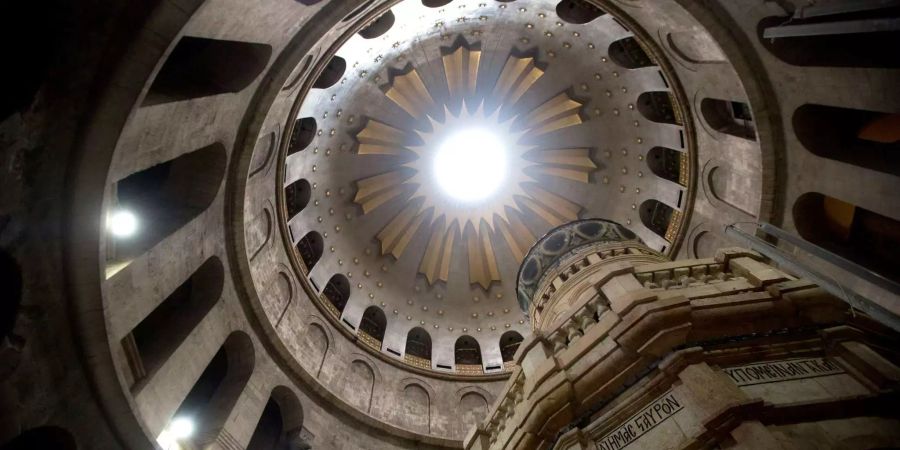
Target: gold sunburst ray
<point x="453" y="225"/>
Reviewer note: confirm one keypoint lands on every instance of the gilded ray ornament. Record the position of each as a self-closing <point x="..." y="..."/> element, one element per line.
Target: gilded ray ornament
<point x="467" y="226"/>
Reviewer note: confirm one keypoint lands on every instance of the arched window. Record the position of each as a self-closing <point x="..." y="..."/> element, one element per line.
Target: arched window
<point x="164" y="198"/>
<point x="418" y="343"/>
<point x="509" y="343"/>
<point x="373" y="323"/>
<point x="862" y="236"/>
<point x="577" y="11"/>
<point x="379" y="26"/>
<point x="215" y="393"/>
<point x="11" y="280"/>
<point x="337" y="291"/>
<point x="435" y="3"/>
<point x="302" y="135"/>
<point x="158" y="335"/>
<point x="331" y="74"/>
<point x="863" y="138"/>
<point x="200" y="67"/>
<point x="666" y="163"/>
<point x="296" y="197"/>
<point x="656" y="216"/>
<point x="281" y="424"/>
<point x="467" y="351"/>
<point x="310" y="248"/>
<point x="826" y="49"/>
<point x="656" y="106"/>
<point x="629" y="54"/>
<point x="42" y="438"/>
<point x="728" y="117"/>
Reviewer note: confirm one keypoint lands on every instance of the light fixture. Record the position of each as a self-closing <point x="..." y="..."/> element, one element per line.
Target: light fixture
<point x="122" y="223"/>
<point x="179" y="429"/>
<point x="182" y="427"/>
<point x="470" y="164"/>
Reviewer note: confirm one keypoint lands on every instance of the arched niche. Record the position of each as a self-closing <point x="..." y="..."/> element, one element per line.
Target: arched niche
<point x="863" y="138"/>
<point x="337" y="291"/>
<point x="657" y="106"/>
<point x="728" y="117"/>
<point x="359" y="385"/>
<point x="666" y="163"/>
<point x="47" y="437"/>
<point x="577" y="11"/>
<point x="152" y="341"/>
<point x="857" y="234"/>
<point x="310" y="248"/>
<point x="509" y="344"/>
<point x="418" y="343"/>
<point x="373" y="323"/>
<point x="302" y="135"/>
<point x="280" y="425"/>
<point x="656" y="216"/>
<point x="297" y="196"/>
<point x="864" y="50"/>
<point x="473" y="408"/>
<point x="201" y="67"/>
<point x="331" y="74"/>
<point x="214" y="395"/>
<point x="466" y="351"/>
<point x="416" y="408"/>
<point x="628" y="53"/>
<point x="11" y="280"/>
<point x="378" y="26"/>
<point x="164" y="198"/>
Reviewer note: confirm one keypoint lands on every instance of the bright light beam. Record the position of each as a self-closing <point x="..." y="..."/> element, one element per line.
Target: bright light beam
<point x="470" y="164"/>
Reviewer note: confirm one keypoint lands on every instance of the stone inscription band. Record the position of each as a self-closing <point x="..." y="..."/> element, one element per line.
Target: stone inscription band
<point x="775" y="371"/>
<point x="662" y="409"/>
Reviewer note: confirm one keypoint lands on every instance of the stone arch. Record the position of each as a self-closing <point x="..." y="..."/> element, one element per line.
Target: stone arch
<point x="577" y="11"/>
<point x="310" y="248"/>
<point x="509" y="344"/>
<point x="337" y="291"/>
<point x="302" y="134"/>
<point x="418" y="343"/>
<point x="264" y="152"/>
<point x="201" y="67"/>
<point x="331" y="74"/>
<point x="172" y="193"/>
<point x="317" y="342"/>
<point x="473" y="408"/>
<point x="158" y="335"/>
<point x="215" y="394"/>
<point x="296" y="196"/>
<point x="862" y="236"/>
<point x="863" y="138"/>
<point x="359" y="384"/>
<point x="416" y="404"/>
<point x="728" y="117"/>
<point x="378" y="26"/>
<point x="373" y="323"/>
<point x="467" y="351"/>
<point x="280" y="423"/>
<point x="628" y="53"/>
<point x="656" y="216"/>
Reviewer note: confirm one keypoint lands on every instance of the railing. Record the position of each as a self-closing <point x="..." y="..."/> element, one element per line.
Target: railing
<point x="416" y="361"/>
<point x="369" y="340"/>
<point x="470" y="369"/>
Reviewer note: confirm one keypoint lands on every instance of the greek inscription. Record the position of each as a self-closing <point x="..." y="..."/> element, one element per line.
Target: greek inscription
<point x="639" y="424"/>
<point x="775" y="371"/>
